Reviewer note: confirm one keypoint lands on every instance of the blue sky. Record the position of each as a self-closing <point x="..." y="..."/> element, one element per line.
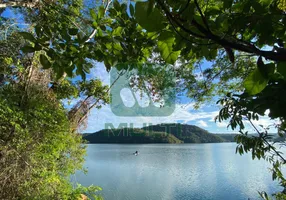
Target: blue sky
<point x="184" y="113"/>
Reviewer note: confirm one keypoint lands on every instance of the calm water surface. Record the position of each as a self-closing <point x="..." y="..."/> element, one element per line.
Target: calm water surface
<point x="175" y="172"/>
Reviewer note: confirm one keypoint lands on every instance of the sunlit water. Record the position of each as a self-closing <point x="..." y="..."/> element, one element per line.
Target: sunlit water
<point x="175" y="172"/>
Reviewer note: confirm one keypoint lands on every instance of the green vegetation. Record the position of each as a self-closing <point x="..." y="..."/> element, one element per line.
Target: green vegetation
<point x="38" y="150"/>
<point x="228" y="137"/>
<point x="129" y="135"/>
<point x="39" y="145"/>
<point x="244" y="41"/>
<point x="187" y="133"/>
<point x="162" y="133"/>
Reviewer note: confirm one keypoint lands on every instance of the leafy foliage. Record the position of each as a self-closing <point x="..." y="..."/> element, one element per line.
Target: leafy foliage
<point x="247" y="67"/>
<point x="39" y="149"/>
<point x="130" y="136"/>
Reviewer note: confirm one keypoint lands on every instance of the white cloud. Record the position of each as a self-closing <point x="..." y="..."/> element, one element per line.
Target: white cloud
<point x="183" y="113"/>
<point x="261" y="124"/>
<point x="199" y="76"/>
<point x="99" y="71"/>
<point x="221" y="124"/>
<point x="202" y="123"/>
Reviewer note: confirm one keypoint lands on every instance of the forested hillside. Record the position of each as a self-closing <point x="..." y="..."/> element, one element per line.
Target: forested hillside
<point x="162" y="133"/>
<point x="187" y="133"/>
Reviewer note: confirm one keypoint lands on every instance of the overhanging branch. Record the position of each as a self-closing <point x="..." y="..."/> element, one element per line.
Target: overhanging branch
<point x="225" y="43"/>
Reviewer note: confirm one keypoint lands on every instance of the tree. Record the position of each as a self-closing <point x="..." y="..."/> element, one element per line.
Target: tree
<point x="39" y="145"/>
<point x="248" y="60"/>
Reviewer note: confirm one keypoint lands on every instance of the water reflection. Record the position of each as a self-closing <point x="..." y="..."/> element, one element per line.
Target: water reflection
<point x="188" y="171"/>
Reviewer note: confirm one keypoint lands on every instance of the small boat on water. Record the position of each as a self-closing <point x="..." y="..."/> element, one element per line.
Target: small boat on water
<point x="136" y="153"/>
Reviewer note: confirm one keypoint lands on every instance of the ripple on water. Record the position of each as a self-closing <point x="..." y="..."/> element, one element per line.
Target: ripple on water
<point x="175" y="172"/>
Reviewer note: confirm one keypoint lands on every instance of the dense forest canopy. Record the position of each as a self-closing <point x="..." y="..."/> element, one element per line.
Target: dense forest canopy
<point x="243" y="39"/>
<point x="161" y="133"/>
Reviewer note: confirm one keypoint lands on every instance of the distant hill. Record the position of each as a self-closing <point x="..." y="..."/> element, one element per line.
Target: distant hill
<point x="128" y="135"/>
<point x="187" y="133"/>
<point x="162" y="133"/>
<point x="227" y="137"/>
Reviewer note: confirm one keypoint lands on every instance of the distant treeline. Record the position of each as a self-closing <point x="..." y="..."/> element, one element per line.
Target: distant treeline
<point x="162" y="133"/>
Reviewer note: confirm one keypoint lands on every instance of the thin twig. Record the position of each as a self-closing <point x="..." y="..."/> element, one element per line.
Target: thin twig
<point x="202" y="15"/>
<point x="178" y="23"/>
<point x="175" y="29"/>
<point x="95" y="30"/>
<point x="261" y="136"/>
<point x="186" y="6"/>
<point x="94" y="104"/>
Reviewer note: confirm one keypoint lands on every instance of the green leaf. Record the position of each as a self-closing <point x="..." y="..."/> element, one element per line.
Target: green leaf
<point x="28" y="49"/>
<point x="116" y="5"/>
<point x="38" y="30"/>
<point x="153" y="21"/>
<point x="123" y="8"/>
<point x="27" y="36"/>
<point x="73" y="31"/>
<point x="117" y="31"/>
<point x="150" y="6"/>
<point x="165" y="46"/>
<point x="131" y="9"/>
<point x="83" y="76"/>
<point x="69" y="71"/>
<point x="255" y="82"/>
<point x="179" y="43"/>
<point x="93" y="14"/>
<point x="103" y="28"/>
<point x="188" y="13"/>
<point x="110" y="62"/>
<point x="101" y="12"/>
<point x="281" y="68"/>
<point x="270" y="69"/>
<point x="227" y="3"/>
<point x="81" y="37"/>
<point x="94" y="24"/>
<point x="65" y="35"/>
<point x="107" y="65"/>
<point x="51" y="53"/>
<point x="45" y="62"/>
<point x="59" y="72"/>
<point x="86" y="68"/>
<point x="37" y="47"/>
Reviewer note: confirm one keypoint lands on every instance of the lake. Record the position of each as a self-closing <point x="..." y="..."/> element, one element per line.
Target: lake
<point x="175" y="172"/>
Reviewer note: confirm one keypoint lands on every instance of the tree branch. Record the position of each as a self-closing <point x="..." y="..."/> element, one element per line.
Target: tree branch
<point x="183" y="37"/>
<point x="177" y="22"/>
<point x="241" y="46"/>
<point x="270" y="146"/>
<point x="95" y="30"/>
<point x="185" y="7"/>
<point x="202" y="15"/>
<point x="80" y="121"/>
